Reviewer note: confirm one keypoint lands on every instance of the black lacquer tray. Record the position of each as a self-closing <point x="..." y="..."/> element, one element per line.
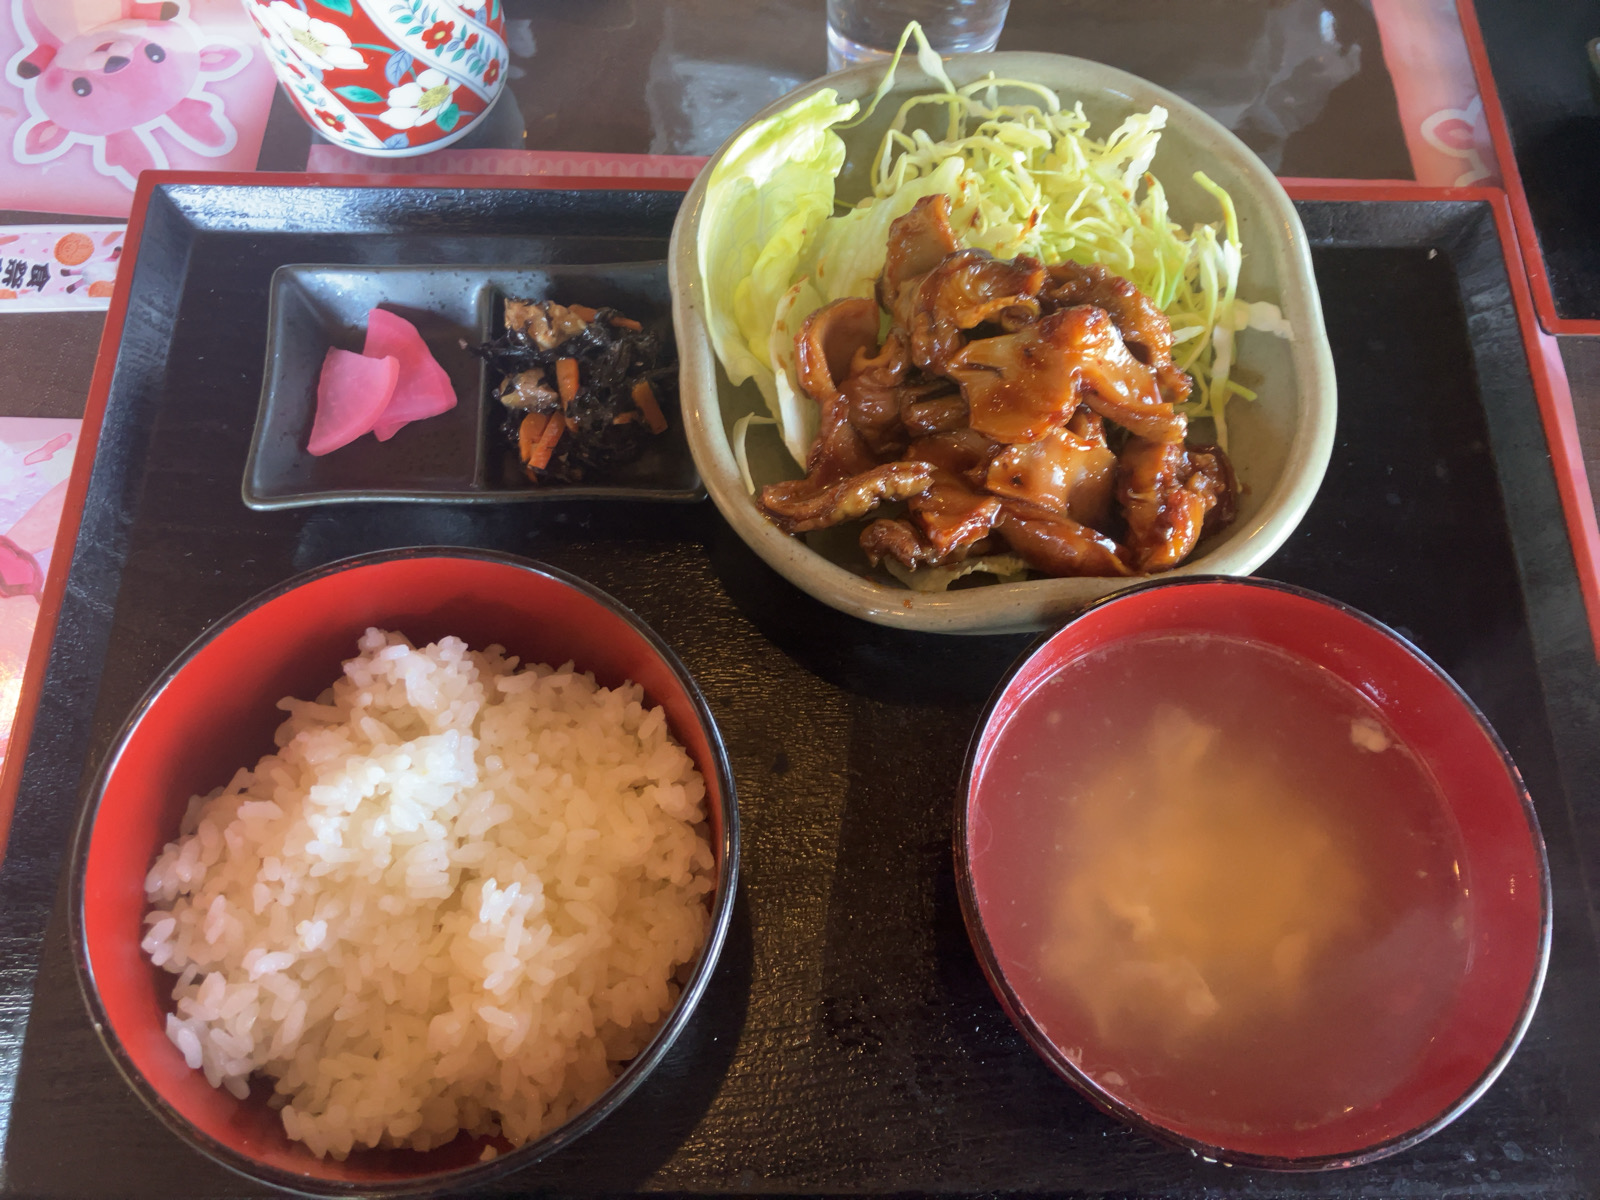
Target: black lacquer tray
<point x="1545" y="75"/>
<point x="848" y="1042"/>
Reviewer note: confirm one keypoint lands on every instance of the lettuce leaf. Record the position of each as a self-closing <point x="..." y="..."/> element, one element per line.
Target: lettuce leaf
<point x="765" y="200"/>
<point x="796" y="413"/>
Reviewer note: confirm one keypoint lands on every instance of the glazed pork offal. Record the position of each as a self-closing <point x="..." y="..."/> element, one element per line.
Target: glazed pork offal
<point x="1011" y="407"/>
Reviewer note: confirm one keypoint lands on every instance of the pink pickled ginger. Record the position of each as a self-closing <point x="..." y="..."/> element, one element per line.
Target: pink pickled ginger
<point x="423" y="389"/>
<point x="352" y="392"/>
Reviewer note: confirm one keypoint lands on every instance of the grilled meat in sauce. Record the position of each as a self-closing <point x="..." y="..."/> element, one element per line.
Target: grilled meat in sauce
<point x="1010" y="406"/>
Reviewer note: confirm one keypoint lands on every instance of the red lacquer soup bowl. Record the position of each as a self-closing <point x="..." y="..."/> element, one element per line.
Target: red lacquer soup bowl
<point x="213" y="711"/>
<point x="1253" y="874"/>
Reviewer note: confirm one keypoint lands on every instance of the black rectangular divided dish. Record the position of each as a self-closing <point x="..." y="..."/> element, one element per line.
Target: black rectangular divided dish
<point x="461" y="455"/>
<point x="848" y="1043"/>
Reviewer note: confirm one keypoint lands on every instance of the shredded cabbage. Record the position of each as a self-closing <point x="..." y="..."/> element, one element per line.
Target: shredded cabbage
<point x="1023" y="178"/>
<point x="741" y="454"/>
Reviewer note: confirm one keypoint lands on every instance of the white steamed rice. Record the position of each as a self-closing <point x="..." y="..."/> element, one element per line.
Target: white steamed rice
<point x="457" y="898"/>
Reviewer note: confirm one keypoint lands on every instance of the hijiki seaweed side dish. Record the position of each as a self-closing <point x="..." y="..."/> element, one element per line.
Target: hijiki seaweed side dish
<point x="584" y="389"/>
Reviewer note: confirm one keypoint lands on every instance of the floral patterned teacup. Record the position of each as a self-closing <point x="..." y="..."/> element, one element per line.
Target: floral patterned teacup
<point x="389" y="78"/>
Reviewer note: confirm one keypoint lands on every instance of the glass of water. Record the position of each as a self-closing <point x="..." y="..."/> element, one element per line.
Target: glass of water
<point x="867" y="30"/>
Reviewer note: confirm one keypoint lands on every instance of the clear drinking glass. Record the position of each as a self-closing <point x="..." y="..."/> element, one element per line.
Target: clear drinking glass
<point x="866" y="30"/>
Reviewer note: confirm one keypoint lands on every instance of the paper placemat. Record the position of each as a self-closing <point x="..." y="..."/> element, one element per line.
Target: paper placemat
<point x="35" y="459"/>
<point x="80" y="148"/>
<point x="58" y="268"/>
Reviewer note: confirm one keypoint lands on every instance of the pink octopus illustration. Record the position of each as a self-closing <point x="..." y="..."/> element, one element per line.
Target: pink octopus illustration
<point x="108" y="74"/>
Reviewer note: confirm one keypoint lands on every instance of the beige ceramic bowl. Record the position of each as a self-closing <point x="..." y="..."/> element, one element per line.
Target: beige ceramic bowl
<point x="1279" y="443"/>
